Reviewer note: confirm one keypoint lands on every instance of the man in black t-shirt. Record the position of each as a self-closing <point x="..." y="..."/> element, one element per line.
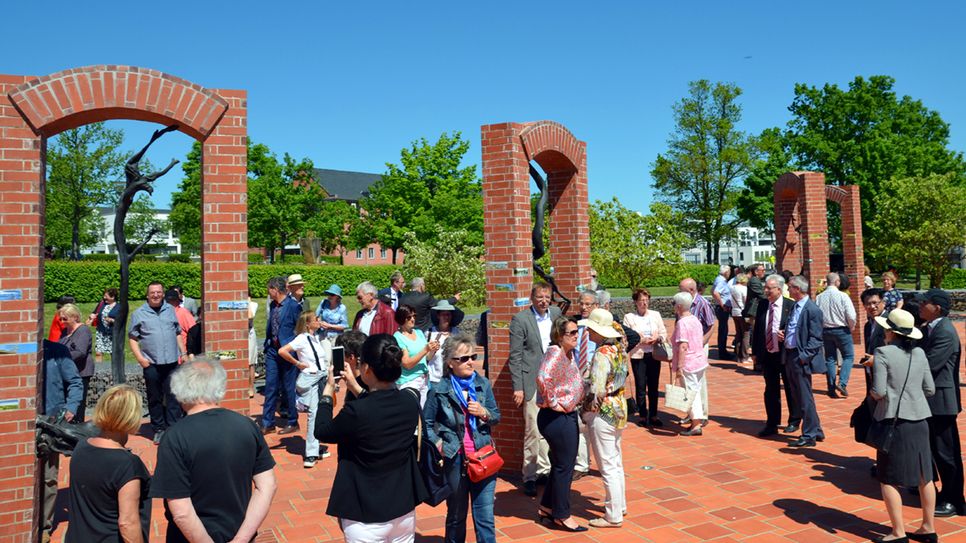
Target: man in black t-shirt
<point x="208" y="462"/>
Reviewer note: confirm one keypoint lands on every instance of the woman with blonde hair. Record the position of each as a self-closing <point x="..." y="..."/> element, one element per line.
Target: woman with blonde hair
<point x="78" y="338"/>
<point x="312" y="357"/>
<point x="108" y="483"/>
<point x="891" y="296"/>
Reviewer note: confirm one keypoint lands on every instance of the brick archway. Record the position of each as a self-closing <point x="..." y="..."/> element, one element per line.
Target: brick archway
<point x="801" y="231"/>
<point x="34" y="109"/>
<point x="507" y="151"/>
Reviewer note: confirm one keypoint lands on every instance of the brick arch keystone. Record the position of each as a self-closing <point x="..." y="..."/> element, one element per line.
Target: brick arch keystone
<point x="34" y="109"/>
<point x="79" y="96"/>
<point x="508" y="149"/>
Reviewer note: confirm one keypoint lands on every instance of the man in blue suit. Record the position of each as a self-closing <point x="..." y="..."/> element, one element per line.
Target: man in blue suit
<point x="283" y="313"/>
<point x="804" y="355"/>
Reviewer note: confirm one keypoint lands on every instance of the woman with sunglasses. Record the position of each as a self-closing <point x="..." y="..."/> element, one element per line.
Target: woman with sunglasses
<point x="417" y="350"/>
<point x="459" y="414"/>
<point x="560" y="389"/>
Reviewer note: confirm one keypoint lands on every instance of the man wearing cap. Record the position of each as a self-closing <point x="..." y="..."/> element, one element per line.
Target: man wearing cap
<point x="296" y="289"/>
<point x="422" y="302"/>
<point x="529" y="338"/>
<point x="154" y="336"/>
<point x="391" y="294"/>
<point x="944" y="352"/>
<point x="838" y="320"/>
<point x="803" y="357"/>
<point x="280" y="376"/>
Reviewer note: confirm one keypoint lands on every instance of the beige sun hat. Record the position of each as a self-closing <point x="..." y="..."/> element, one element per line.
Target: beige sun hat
<point x="901" y="322"/>
<point x="295" y="279"/>
<point x="602" y="322"/>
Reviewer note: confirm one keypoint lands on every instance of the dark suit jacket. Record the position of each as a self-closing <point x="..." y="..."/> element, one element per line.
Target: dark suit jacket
<point x="758" y="346"/>
<point x="944" y="353"/>
<point x="377" y="478"/>
<point x="286" y="327"/>
<point x="383" y="323"/>
<point x="874" y="336"/>
<point x="421" y="302"/>
<point x="811" y="350"/>
<point x="526" y="350"/>
<point x="756" y="292"/>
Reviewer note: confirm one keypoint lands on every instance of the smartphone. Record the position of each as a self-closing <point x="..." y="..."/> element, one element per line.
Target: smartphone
<point x="338" y="360"/>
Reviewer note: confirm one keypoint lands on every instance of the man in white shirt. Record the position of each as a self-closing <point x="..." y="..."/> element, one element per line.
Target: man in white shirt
<point x="721" y="293"/>
<point x="838" y="321"/>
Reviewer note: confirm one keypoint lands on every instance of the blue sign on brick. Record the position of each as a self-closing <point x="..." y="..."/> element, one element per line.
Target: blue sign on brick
<point x="233" y="306"/>
<point x="520" y="302"/>
<point x="11" y="294"/>
<point x="18" y="348"/>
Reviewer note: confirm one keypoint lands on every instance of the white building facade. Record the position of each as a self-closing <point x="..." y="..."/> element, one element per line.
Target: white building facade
<point x="751" y="245"/>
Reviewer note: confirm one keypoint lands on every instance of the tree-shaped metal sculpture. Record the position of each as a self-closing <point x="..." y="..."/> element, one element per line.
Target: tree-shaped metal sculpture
<point x="136" y="182"/>
<point x="557" y="297"/>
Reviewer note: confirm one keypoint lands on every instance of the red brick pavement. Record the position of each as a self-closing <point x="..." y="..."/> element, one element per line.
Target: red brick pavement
<point x="724" y="486"/>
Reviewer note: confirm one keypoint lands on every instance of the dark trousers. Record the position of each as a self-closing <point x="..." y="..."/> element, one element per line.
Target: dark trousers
<point x="82" y="410"/>
<point x="724" y="316"/>
<point x="800" y="384"/>
<point x="775" y="378"/>
<point x="947" y="454"/>
<point x="163" y="407"/>
<point x="647" y="377"/>
<point x="560" y="431"/>
<point x="279" y="375"/>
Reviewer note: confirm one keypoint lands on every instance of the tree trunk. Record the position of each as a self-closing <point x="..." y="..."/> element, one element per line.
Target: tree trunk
<point x="394" y="255"/>
<point x="707" y="252"/>
<point x="75" y="240"/>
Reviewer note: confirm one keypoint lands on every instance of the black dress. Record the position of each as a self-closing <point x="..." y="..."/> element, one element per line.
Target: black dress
<point x="96" y="476"/>
<point x="909" y="461"/>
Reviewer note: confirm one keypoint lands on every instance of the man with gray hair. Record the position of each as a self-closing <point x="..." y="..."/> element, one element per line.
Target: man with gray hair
<point x="214" y="472"/>
<point x="374" y="317"/>
<point x="767" y="348"/>
<point x="721" y="293"/>
<point x="838" y="321"/>
<point x="422" y="302"/>
<point x="803" y="356"/>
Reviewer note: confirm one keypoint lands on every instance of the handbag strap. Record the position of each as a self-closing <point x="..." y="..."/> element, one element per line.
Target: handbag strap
<point x="318" y="364"/>
<point x="895" y="419"/>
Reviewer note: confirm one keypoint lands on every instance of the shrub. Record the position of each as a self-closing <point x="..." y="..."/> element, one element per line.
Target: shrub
<point x="99" y="257"/>
<point x="699" y="272"/>
<point x="330" y="259"/>
<point x="256" y="258"/>
<point x="449" y="263"/>
<point x="318" y="278"/>
<point x="956" y="278"/>
<point x="182" y="258"/>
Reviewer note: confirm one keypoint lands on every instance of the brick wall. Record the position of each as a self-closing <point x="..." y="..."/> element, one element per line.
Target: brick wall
<point x="33" y="109"/>
<point x="507" y="149"/>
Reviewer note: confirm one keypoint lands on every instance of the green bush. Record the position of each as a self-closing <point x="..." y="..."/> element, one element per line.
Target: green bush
<point x="256" y="258"/>
<point x="182" y="258"/>
<point x="98" y="257"/>
<point x="145" y="258"/>
<point x="318" y="278"/>
<point x="956" y="278"/>
<point x="699" y="272"/>
<point x="330" y="259"/>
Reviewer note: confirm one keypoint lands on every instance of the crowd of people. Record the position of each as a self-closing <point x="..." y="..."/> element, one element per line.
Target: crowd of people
<point x="411" y="376"/>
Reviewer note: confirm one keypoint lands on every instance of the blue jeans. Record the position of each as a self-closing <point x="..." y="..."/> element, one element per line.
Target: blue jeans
<point x="456" y="504"/>
<point x="279" y="375"/>
<point x="838" y="339"/>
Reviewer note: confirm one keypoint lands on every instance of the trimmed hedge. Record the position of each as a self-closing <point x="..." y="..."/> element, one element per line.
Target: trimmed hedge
<point x="699" y="272"/>
<point x="86" y="281"/>
<point x="956" y="278"/>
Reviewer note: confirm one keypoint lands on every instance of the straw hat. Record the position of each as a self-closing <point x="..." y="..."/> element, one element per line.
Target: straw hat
<point x="295" y="279"/>
<point x="602" y="322"/>
<point x="900" y="322"/>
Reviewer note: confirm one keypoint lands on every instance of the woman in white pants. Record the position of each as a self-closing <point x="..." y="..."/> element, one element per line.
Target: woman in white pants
<point x="690" y="360"/>
<point x="606" y="412"/>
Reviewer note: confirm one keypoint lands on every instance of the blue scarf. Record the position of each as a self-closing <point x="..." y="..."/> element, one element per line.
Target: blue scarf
<point x="459" y="385"/>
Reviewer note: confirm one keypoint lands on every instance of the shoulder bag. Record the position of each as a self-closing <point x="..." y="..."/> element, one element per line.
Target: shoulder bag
<point x="430" y="462"/>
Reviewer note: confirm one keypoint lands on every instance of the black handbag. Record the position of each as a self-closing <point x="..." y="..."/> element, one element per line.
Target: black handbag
<point x="882" y="432"/>
<point x="861" y="421"/>
<point x="430" y="463"/>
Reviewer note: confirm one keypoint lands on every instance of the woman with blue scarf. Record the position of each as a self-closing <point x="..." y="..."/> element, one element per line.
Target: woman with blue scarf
<point x="459" y="413"/>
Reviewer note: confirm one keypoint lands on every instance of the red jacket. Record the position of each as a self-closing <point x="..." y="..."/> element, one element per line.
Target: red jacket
<point x="383" y="323"/>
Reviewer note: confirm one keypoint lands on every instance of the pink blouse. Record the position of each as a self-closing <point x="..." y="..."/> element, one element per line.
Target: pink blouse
<point x="689" y="330"/>
<point x="559" y="384"/>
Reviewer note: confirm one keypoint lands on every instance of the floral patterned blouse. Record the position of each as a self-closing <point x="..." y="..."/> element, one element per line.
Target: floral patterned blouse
<point x="559" y="385"/>
<point x="891" y="297"/>
<point x="608" y="373"/>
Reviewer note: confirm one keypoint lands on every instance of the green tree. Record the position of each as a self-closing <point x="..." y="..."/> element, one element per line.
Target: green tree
<point x="449" y="262"/>
<point x="326" y="227"/>
<point x="428" y="188"/>
<point x="142" y="223"/>
<point x="632" y="248"/>
<point x="279" y="194"/>
<point x="83" y="165"/>
<point x="185" y="218"/>
<point x="863" y="135"/>
<point x="913" y="237"/>
<point x="706" y="160"/>
<point x="756" y="203"/>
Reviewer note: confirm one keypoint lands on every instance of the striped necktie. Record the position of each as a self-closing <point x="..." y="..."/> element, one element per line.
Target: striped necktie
<point x="582" y="358"/>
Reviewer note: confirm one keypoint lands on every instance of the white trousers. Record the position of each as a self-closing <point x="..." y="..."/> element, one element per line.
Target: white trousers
<point x="606" y="441"/>
<point x="398" y="530"/>
<point x="696" y="381"/>
<point x="421" y="385"/>
<point x="536" y="452"/>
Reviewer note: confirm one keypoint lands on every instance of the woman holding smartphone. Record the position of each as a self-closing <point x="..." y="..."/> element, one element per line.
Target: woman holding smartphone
<point x="314" y="356"/>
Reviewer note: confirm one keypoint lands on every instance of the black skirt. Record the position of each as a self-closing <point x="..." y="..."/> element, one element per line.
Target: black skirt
<point x="910" y="461"/>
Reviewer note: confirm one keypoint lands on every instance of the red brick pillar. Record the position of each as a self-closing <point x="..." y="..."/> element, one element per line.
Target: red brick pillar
<point x="506" y="232"/>
<point x="21" y="316"/>
<point x="814" y="233"/>
<point x="788" y="220"/>
<point x="854" y="253"/>
<point x="224" y="239"/>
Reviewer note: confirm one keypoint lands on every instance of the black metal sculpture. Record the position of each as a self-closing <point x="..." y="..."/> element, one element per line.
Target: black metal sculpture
<point x="557" y="297"/>
<point x="136" y="182"/>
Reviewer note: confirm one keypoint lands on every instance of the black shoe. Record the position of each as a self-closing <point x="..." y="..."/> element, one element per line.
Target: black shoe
<point x="832" y="393"/>
<point x="579" y="475"/>
<point x="842" y="391"/>
<point x="542" y="479"/>
<point x="945" y="510"/>
<point x="802" y="442"/>
<point x="767" y="431"/>
<point x="267" y="430"/>
<point x="530" y="488"/>
<point x="896" y="540"/>
<point x="655" y="423"/>
<point x="560" y="525"/>
<point x="290" y="429"/>
<point x="790" y="429"/>
<point x="924" y="538"/>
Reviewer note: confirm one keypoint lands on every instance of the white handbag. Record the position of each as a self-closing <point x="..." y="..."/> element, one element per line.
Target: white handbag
<point x="678" y="398"/>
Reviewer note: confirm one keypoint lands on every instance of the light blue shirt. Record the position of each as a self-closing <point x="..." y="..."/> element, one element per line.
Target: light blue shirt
<point x="723" y="289"/>
<point x="591" y="345"/>
<point x="791" y="331"/>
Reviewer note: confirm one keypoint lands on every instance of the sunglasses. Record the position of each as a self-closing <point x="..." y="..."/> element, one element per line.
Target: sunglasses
<point x="572" y="332"/>
<point x="465" y="359"/>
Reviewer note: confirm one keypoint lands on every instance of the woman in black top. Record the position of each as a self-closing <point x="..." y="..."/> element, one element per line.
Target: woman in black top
<point x="377" y="484"/>
<point x="108" y="483"/>
<point x="77" y="337"/>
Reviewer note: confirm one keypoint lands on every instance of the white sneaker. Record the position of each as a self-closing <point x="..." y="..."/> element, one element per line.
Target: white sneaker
<point x="310" y="462"/>
<point x="325" y="452"/>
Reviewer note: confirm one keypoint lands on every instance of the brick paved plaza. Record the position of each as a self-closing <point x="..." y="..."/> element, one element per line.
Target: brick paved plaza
<point x="725" y="486"/>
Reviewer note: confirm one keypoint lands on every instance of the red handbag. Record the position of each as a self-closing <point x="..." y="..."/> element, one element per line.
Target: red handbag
<point x="484" y="463"/>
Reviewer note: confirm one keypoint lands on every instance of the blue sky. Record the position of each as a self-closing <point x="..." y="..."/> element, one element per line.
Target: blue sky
<point x="350" y="85"/>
